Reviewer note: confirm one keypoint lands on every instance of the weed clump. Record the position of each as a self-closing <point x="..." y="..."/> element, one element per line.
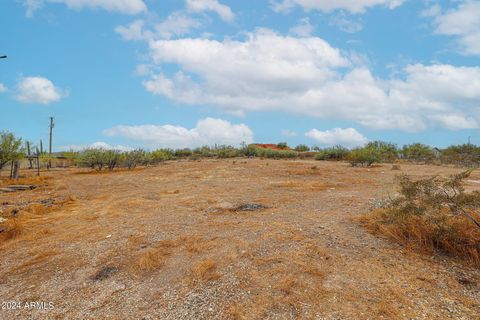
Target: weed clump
<point x="432" y="214"/>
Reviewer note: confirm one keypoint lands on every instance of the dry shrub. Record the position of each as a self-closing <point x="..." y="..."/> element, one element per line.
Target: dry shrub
<point x="432" y="215"/>
<point x="36" y="208"/>
<point x="12" y="228"/>
<point x="205" y="270"/>
<point x="154" y="258"/>
<point x="35" y="180"/>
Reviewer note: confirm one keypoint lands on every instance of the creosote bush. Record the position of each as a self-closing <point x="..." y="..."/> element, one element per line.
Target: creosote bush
<point x="432" y="214"/>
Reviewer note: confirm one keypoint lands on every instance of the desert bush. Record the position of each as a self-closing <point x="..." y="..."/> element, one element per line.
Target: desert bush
<point x="131" y="159"/>
<point x="364" y="157"/>
<point x="183" y="153"/>
<point x="275" y="154"/>
<point x="204" y="152"/>
<point x="384" y="151"/>
<point x="334" y="153"/>
<point x="461" y="155"/>
<point x="160" y="155"/>
<point x="432" y="214"/>
<point x="302" y="148"/>
<point x="111" y="158"/>
<point x="91" y="158"/>
<point x="249" y="151"/>
<point x="417" y="152"/>
<point x="282" y="145"/>
<point x="10" y="148"/>
<point x="227" y="152"/>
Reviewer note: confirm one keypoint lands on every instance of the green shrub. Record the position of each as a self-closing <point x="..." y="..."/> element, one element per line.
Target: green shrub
<point x="302" y="148"/>
<point x="463" y="155"/>
<point x="282" y="145"/>
<point x="336" y="153"/>
<point x="418" y="152"/>
<point x="160" y="155"/>
<point x="10" y="148"/>
<point x="183" y="153"/>
<point x="364" y="157"/>
<point x="92" y="158"/>
<point x="133" y="158"/>
<point x="384" y="151"/>
<point x="227" y="152"/>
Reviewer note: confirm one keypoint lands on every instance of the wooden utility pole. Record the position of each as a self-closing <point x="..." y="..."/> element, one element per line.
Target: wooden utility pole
<point x="50" y="146"/>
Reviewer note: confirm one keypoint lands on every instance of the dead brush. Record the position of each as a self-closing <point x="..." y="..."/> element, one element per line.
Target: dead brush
<point x="205" y="270"/>
<point x="432" y="215"/>
<point x="11" y="229"/>
<point x="152" y="259"/>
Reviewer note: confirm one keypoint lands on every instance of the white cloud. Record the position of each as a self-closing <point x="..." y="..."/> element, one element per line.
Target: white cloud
<point x="222" y="10"/>
<point x="353" y="6"/>
<point x="38" y="90"/>
<point x="270" y="72"/>
<point x="3" y="88"/>
<point x="208" y="131"/>
<point x="349" y="137"/>
<point x="463" y="23"/>
<point x="95" y="145"/>
<point x="122" y="6"/>
<point x="345" y="24"/>
<point x="176" y="24"/>
<point x="303" y="29"/>
<point x="288" y="133"/>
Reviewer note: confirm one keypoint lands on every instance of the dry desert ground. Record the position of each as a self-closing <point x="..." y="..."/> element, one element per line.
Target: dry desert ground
<point x="222" y="239"/>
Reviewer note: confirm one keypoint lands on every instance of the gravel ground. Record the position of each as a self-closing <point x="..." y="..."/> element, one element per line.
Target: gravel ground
<point x="222" y="239"/>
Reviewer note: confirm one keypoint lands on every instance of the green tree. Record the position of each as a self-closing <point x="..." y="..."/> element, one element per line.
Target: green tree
<point x="417" y="152"/>
<point x="10" y="148"/>
<point x="302" y="148"/>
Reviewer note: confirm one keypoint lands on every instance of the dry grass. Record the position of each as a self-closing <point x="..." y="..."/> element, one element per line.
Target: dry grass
<point x="152" y="259"/>
<point x="35" y="180"/>
<point x="205" y="270"/>
<point x="455" y="236"/>
<point x="13" y="228"/>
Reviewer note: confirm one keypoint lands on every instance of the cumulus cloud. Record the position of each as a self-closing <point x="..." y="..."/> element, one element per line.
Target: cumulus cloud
<point x="208" y="131"/>
<point x="122" y="6"/>
<point x="176" y="24"/>
<point x="353" y="6"/>
<point x="349" y="137"/>
<point x="462" y="22"/>
<point x="222" y="10"/>
<point x="95" y="145"/>
<point x="3" y="88"/>
<point x="271" y="72"/>
<point x="38" y="90"/>
<point x="303" y="29"/>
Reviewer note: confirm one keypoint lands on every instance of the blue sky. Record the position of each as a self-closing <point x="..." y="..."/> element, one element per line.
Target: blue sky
<point x="174" y="73"/>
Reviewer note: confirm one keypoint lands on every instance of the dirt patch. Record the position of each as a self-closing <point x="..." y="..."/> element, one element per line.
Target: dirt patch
<point x="164" y="243"/>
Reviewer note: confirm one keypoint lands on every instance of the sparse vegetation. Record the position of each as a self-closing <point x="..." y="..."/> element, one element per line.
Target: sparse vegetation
<point x="335" y="153"/>
<point x="302" y="148"/>
<point x="10" y="148"/>
<point x="432" y="214"/>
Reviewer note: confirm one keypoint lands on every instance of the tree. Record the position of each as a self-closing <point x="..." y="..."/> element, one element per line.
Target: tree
<point x="10" y="148"/>
<point x="302" y="148"/>
<point x="134" y="158"/>
<point x="282" y="145"/>
<point x="418" y="152"/>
